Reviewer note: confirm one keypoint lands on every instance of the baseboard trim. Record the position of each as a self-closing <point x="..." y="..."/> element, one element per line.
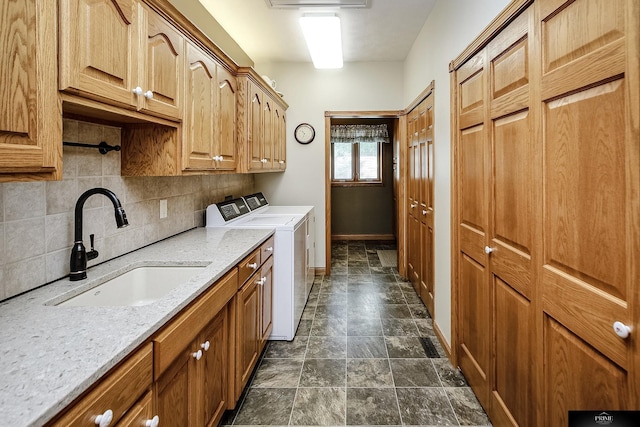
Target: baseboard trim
<point x="363" y="237"/>
<point x="445" y="345"/>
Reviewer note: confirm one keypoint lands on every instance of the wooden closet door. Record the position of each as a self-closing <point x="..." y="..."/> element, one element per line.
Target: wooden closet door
<point x="591" y="221"/>
<point x="474" y="297"/>
<point x="512" y="189"/>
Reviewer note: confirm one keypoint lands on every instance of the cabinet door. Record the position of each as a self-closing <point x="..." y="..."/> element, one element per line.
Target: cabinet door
<point x="280" y="140"/>
<point x="266" y="301"/>
<point x="99" y="49"/>
<point x="177" y="392"/>
<point x="254" y="124"/>
<point x="267" y="135"/>
<point x="227" y="89"/>
<point x="30" y="109"/>
<point x="247" y="330"/>
<point x="162" y="74"/>
<point x="213" y="367"/>
<point x="198" y="126"/>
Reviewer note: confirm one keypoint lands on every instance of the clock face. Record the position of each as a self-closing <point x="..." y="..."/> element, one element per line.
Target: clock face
<point x="304" y="133"/>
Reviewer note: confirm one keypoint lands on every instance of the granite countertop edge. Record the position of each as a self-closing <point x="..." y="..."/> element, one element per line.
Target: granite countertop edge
<point x="50" y="355"/>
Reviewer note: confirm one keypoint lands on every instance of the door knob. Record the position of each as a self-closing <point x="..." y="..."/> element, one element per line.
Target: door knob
<point x="197" y="355"/>
<point x="153" y="422"/>
<point x="205" y="345"/>
<point x="488" y="250"/>
<point x="621" y="329"/>
<point x="137" y="90"/>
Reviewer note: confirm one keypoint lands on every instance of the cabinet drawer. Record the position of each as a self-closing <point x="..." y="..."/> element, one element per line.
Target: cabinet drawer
<point x="141" y="412"/>
<point x="117" y="392"/>
<point x="266" y="250"/>
<point x="248" y="266"/>
<point x="170" y="342"/>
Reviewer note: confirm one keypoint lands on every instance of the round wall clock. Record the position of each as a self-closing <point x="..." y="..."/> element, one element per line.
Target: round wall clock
<point x="304" y="133"/>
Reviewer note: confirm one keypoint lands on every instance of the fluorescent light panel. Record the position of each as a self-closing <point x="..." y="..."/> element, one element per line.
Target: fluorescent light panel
<point x="324" y="40"/>
<point x="296" y="4"/>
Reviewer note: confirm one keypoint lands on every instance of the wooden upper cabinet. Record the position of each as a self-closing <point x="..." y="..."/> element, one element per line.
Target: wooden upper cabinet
<point x="261" y="125"/>
<point x="280" y="139"/>
<point x="255" y="125"/>
<point x="99" y="48"/>
<point x="199" y="130"/>
<point x="267" y="133"/>
<point x="121" y="52"/>
<point x="225" y="141"/>
<point x="30" y="111"/>
<point x="162" y="77"/>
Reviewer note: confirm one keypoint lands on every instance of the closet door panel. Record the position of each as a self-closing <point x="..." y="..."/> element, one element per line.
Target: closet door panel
<point x="578" y="376"/>
<point x="582" y="43"/>
<point x="472" y="177"/>
<point x="512" y="220"/>
<point x="513" y="383"/>
<point x="475" y="342"/>
<point x="591" y="210"/>
<point x="512" y="214"/>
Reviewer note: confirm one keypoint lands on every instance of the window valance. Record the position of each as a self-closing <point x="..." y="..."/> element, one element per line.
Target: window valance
<point x="349" y="134"/>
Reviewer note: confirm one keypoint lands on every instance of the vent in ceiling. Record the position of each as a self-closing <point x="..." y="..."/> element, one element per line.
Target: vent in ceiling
<point x="297" y="4"/>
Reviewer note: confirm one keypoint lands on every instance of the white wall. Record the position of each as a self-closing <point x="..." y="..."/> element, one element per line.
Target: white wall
<point x="450" y="28"/>
<point x="309" y="93"/>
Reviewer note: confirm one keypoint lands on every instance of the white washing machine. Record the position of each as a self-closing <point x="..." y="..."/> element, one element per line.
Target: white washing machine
<point x="259" y="205"/>
<point x="289" y="270"/>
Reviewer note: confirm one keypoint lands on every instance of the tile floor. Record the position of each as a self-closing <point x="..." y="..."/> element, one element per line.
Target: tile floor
<point x="357" y="358"/>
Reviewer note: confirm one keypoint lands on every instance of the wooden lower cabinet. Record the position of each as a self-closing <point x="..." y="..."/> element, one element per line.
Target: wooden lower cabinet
<point x="141" y="414"/>
<point x="193" y="391"/>
<point x="247" y="330"/>
<point x="266" y="302"/>
<point x="116" y="394"/>
<point x="254" y="314"/>
<point x="197" y="365"/>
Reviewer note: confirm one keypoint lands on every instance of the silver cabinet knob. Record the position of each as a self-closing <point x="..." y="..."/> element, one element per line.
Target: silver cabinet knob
<point x="621" y="329"/>
<point x="137" y="90"/>
<point x="148" y="94"/>
<point x="488" y="250"/>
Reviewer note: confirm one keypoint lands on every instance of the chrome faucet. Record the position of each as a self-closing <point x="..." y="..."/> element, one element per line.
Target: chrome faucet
<point x="79" y="255"/>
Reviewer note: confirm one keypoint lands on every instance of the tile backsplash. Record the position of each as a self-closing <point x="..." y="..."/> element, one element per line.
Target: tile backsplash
<point x="37" y="218"/>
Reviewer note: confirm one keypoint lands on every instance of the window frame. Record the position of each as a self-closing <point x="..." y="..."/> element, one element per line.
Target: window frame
<point x="355" y="165"/>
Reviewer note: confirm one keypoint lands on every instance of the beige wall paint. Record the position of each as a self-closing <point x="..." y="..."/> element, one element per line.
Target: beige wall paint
<point x="198" y="15"/>
<point x="309" y="93"/>
<point x="451" y="26"/>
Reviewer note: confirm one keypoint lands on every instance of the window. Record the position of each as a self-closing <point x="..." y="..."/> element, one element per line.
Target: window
<point x="356" y="163"/>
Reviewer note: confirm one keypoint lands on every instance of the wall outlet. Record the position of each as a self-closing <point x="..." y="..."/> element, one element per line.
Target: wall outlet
<point x="163" y="208"/>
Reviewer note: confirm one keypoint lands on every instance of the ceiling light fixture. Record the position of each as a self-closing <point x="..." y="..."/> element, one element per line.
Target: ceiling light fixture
<point x="297" y="4"/>
<point x="324" y="40"/>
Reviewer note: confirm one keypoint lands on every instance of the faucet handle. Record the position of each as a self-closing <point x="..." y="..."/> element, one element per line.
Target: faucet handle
<point x="92" y="254"/>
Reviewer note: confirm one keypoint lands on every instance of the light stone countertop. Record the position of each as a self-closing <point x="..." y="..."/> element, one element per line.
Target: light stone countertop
<point x="50" y="355"/>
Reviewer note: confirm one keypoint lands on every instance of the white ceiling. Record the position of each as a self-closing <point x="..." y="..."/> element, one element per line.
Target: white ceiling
<point x="384" y="31"/>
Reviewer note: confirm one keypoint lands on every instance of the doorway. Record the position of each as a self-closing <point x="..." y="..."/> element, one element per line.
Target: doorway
<point x="362" y="210"/>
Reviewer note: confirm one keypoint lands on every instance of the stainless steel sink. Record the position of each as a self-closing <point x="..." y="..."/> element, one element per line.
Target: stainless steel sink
<point x="140" y="286"/>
